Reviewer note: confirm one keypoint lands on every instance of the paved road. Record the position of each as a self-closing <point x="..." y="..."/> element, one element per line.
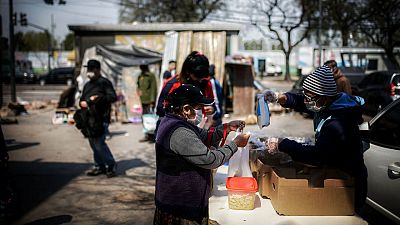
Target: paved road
<point x="49" y="164"/>
<point x="34" y="92"/>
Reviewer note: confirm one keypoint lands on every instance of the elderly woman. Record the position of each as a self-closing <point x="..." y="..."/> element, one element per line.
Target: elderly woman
<point x="184" y="161"/>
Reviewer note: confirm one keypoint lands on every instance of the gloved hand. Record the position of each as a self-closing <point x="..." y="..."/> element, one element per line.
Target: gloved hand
<point x="270" y="96"/>
<point x="272" y="144"/>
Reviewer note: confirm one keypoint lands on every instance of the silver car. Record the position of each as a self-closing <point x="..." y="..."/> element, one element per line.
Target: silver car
<point x="383" y="162"/>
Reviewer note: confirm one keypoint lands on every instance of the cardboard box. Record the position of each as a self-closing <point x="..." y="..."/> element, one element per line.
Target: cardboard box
<point x="264" y="179"/>
<point x="293" y="194"/>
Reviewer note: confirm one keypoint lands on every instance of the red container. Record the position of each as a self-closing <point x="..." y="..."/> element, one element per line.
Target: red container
<point x="241" y="192"/>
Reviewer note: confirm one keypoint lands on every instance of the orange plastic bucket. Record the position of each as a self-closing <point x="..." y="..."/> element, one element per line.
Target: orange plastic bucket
<point x="241" y="192"/>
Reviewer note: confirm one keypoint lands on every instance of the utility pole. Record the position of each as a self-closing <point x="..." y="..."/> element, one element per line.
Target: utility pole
<point x="48" y="41"/>
<point x="52" y="28"/>
<point x="12" y="54"/>
<point x="1" y="60"/>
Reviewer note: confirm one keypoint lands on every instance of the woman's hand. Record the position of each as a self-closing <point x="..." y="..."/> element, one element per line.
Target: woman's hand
<point x="241" y="140"/>
<point x="236" y="124"/>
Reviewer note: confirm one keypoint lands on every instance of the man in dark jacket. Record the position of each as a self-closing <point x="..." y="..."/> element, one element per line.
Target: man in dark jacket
<point x="337" y="140"/>
<point x="96" y="99"/>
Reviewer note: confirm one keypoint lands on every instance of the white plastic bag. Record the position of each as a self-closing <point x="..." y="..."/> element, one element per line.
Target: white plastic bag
<point x="239" y="163"/>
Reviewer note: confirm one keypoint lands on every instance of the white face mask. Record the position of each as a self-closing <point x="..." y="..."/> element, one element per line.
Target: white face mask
<point x="312" y="106"/>
<point x="198" y="117"/>
<point x="90" y="75"/>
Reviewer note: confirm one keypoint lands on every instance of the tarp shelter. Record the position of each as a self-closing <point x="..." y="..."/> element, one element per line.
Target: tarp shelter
<point x="120" y="64"/>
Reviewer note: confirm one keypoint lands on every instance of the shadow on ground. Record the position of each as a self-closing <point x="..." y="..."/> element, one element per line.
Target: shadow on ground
<point x="16" y="145"/>
<point x="34" y="182"/>
<point x="54" y="220"/>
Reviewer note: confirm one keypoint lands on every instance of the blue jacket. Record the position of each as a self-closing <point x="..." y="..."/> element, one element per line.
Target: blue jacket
<point x="338" y="142"/>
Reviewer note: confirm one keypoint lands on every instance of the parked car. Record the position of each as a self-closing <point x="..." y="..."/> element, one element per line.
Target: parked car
<point x="21" y="77"/>
<point x="378" y="89"/>
<point x="298" y="85"/>
<point x="383" y="161"/>
<point x="62" y="75"/>
<point x="23" y="72"/>
<point x="273" y="70"/>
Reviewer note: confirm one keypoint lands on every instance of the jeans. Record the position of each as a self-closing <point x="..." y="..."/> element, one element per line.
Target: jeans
<point x="101" y="153"/>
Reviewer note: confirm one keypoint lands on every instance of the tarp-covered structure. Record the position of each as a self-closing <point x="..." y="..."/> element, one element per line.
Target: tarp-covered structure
<point x="120" y="64"/>
<point x="114" y="58"/>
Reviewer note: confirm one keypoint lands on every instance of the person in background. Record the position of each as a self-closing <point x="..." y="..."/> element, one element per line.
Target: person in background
<point x="337" y="139"/>
<point x="147" y="90"/>
<point x="171" y="70"/>
<point x="184" y="163"/>
<point x="195" y="70"/>
<point x="218" y="98"/>
<point x="342" y="83"/>
<point x="97" y="96"/>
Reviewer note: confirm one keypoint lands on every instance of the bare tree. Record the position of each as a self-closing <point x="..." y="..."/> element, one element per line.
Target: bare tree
<point x="288" y="22"/>
<point x="382" y="26"/>
<point x="167" y="10"/>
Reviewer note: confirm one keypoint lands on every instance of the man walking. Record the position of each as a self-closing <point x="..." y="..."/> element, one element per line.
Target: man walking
<point x="96" y="99"/>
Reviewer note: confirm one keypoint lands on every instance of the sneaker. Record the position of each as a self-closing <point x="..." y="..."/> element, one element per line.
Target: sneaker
<point x="144" y="140"/>
<point x="110" y="172"/>
<point x="96" y="171"/>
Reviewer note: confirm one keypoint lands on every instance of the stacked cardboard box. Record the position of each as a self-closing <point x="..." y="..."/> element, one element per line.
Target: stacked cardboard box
<point x="311" y="192"/>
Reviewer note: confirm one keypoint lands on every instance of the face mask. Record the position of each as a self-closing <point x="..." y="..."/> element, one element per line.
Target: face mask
<point x="198" y="117"/>
<point x="90" y="75"/>
<point x="312" y="106"/>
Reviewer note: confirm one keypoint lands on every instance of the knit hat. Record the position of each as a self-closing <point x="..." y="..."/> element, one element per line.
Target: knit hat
<point x="321" y="82"/>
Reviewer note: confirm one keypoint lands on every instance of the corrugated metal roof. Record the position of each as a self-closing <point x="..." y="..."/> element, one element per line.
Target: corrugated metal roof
<point x="142" y="27"/>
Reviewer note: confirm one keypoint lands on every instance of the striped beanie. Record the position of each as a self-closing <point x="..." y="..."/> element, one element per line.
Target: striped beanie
<point x="321" y="82"/>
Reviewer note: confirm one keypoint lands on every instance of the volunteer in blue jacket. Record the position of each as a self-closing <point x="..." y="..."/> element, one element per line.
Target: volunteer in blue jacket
<point x="337" y="140"/>
<point x="184" y="162"/>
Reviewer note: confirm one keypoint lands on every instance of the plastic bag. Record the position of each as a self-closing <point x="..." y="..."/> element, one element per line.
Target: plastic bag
<point x="149" y="123"/>
<point x="239" y="162"/>
<point x="263" y="113"/>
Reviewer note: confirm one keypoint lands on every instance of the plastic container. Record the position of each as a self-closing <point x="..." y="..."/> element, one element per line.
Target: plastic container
<point x="241" y="192"/>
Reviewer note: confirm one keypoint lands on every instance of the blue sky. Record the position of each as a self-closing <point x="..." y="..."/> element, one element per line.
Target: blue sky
<point x="74" y="12"/>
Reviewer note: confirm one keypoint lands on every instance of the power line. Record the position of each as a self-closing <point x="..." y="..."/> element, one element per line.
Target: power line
<point x="75" y="13"/>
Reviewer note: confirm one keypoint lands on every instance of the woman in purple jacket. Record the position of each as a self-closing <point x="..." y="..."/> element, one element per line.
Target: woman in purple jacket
<point x="184" y="162"/>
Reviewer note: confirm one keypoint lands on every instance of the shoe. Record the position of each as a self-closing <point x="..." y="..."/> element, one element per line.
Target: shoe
<point x="144" y="140"/>
<point x="111" y="171"/>
<point x="96" y="171"/>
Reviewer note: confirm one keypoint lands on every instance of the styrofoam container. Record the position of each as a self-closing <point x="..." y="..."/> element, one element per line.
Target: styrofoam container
<point x="241" y="192"/>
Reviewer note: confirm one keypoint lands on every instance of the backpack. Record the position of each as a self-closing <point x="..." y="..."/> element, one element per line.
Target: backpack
<point x="89" y="124"/>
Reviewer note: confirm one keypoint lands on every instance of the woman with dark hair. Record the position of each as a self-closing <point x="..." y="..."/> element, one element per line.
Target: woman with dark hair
<point x="184" y="162"/>
<point x="195" y="70"/>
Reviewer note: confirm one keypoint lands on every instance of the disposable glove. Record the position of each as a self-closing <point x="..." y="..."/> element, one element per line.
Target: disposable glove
<point x="272" y="144"/>
<point x="270" y="96"/>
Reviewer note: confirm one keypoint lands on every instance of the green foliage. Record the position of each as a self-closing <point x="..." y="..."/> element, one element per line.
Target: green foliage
<point x="68" y="42"/>
<point x="253" y="45"/>
<point x="33" y="41"/>
<point x="167" y="10"/>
